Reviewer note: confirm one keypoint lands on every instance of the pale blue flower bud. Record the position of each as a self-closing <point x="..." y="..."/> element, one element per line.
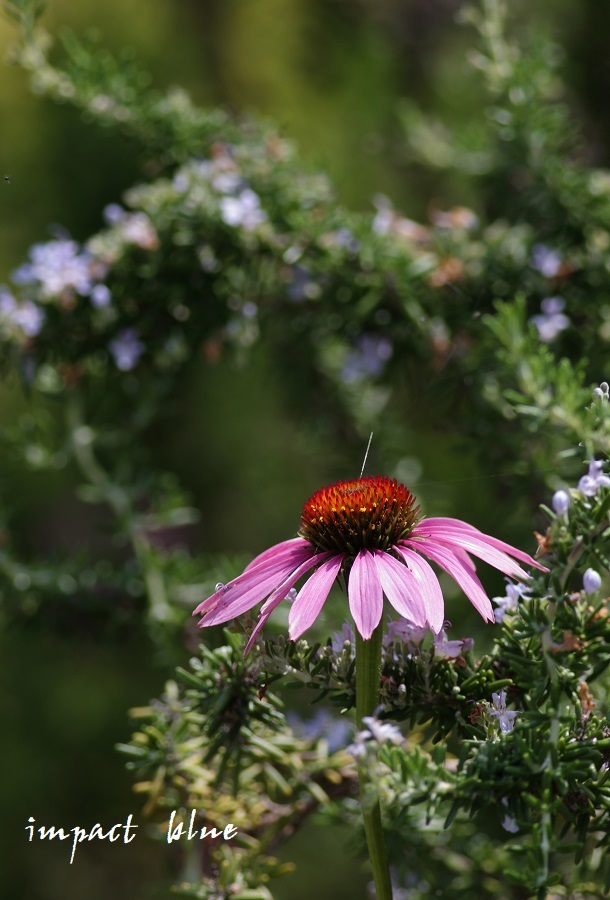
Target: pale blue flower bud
<point x="561" y="502"/>
<point x="602" y="392"/>
<point x="591" y="581"/>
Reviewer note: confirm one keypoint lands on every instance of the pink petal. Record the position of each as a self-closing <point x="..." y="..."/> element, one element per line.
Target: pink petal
<point x="480" y="545"/>
<point x="447" y="522"/>
<point x="276" y="550"/>
<point x="463" y="575"/>
<point x="438" y="525"/>
<point x="401" y="588"/>
<point x="251" y="587"/>
<point x="364" y="594"/>
<point x="310" y="599"/>
<point x="280" y="593"/>
<point x="428" y="585"/>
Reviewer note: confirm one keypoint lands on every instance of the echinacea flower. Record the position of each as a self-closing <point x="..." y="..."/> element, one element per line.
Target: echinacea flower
<point x="370" y="532"/>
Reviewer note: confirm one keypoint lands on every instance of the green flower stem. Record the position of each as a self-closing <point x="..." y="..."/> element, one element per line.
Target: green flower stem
<point x="368" y="670"/>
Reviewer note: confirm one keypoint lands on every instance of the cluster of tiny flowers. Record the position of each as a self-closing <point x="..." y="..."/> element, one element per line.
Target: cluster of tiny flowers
<point x="545" y="260"/>
<point x="552" y="320"/>
<point x="58" y="271"/>
<point x="412" y="636"/>
<point x="21" y="318"/>
<point x="129" y="228"/>
<point x="58" y="268"/>
<point x="374" y="735"/>
<point x="367" y="358"/>
<point x="602" y="392"/>
<point x="243" y="210"/>
<point x="239" y="205"/>
<point x="590" y="484"/>
<point x="510" y="602"/>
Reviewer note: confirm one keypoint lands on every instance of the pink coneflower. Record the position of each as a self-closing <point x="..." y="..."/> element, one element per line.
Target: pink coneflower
<point x="370" y="532"/>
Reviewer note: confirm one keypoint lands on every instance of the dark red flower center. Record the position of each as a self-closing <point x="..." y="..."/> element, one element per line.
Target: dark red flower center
<point x="373" y="512"/>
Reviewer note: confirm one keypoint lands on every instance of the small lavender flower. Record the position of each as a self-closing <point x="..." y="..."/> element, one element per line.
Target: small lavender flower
<point x="126" y="349"/>
<point x="249" y="310"/>
<point x="401" y="630"/>
<point x="26" y="316"/>
<point x="358" y="748"/>
<point x="227" y="182"/>
<point x="595" y="479"/>
<point x="341" y="637"/>
<point x="114" y="214"/>
<point x="382" y="731"/>
<point x="375" y="732"/>
<point x="510" y="824"/>
<point x="8" y="304"/>
<point x="552" y="321"/>
<point x="506" y="717"/>
<point x="335" y="730"/>
<point x="100" y="296"/>
<point x="561" y="502"/>
<point x="545" y="260"/>
<point x="367" y="358"/>
<point x="244" y="210"/>
<point x="444" y="648"/>
<point x="591" y="581"/>
<point x="57" y="266"/>
<point x="510" y="602"/>
<point x="29" y="317"/>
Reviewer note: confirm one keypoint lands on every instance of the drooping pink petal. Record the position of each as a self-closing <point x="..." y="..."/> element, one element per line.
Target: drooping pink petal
<point x="462" y="574"/>
<point x="251" y="587"/>
<point x="364" y="594"/>
<point x="276" y="550"/>
<point x="282" y="589"/>
<point x="280" y="593"/>
<point x="401" y="588"/>
<point x="310" y="599"/>
<point x="444" y="524"/>
<point x="480" y="545"/>
<point x="428" y="585"/>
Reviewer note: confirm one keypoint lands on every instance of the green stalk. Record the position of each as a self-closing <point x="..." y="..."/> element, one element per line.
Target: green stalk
<point x="368" y="670"/>
<point x="159" y="609"/>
